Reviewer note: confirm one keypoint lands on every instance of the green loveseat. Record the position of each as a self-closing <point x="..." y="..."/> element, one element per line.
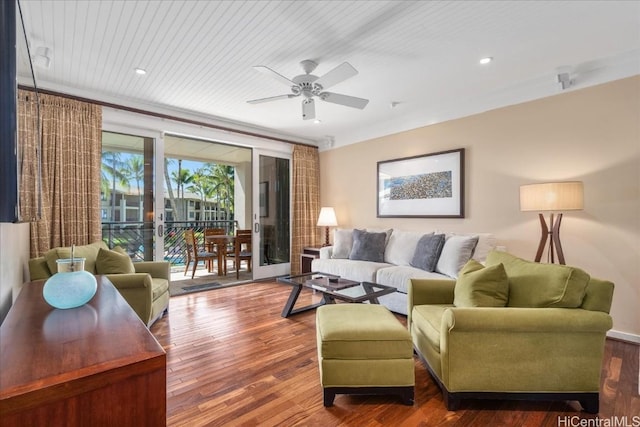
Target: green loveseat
<point x="539" y="337"/>
<point x="144" y="285"/>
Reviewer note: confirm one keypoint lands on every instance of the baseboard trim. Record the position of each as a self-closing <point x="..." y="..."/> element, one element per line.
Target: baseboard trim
<point x="624" y="336"/>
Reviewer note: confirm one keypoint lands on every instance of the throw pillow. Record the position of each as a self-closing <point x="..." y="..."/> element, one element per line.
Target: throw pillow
<point x="428" y="252"/>
<point x="367" y="246"/>
<point x="457" y="250"/>
<point x="480" y="286"/>
<point x="88" y="252"/>
<point x="533" y="284"/>
<point x="112" y="262"/>
<point x="342" y="243"/>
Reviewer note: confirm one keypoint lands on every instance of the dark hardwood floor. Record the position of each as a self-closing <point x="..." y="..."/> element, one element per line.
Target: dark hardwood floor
<point x="233" y="360"/>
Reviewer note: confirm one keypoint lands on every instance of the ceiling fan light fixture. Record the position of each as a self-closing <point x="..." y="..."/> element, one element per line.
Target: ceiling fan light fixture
<point x="310" y="86"/>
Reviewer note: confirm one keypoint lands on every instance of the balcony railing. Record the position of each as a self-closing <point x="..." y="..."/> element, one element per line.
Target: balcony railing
<point x="137" y="237"/>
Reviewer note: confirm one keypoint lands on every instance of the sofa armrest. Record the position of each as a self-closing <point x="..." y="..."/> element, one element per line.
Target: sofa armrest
<point x="131" y="281"/>
<point x="38" y="269"/>
<point x="157" y="269"/>
<point x="326" y="252"/>
<point x="516" y="320"/>
<point x="137" y="290"/>
<point x="428" y="291"/>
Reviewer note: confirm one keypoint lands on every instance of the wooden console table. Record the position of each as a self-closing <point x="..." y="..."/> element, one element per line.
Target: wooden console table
<point x="95" y="365"/>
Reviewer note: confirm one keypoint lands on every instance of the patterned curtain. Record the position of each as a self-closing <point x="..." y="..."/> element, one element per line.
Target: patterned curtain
<point x="71" y="147"/>
<point x="306" y="201"/>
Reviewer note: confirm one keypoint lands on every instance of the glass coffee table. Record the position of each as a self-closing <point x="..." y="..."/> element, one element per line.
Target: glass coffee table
<point x="332" y="288"/>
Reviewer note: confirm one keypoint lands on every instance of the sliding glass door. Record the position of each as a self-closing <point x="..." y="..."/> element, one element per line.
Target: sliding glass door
<point x="127" y="194"/>
<point x="271" y="213"/>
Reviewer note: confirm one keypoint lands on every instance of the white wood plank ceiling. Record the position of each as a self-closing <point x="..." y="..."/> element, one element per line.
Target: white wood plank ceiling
<point x="422" y="55"/>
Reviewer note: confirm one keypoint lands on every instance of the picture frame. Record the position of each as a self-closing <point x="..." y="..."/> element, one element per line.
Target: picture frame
<point x="264" y="199"/>
<point x="424" y="186"/>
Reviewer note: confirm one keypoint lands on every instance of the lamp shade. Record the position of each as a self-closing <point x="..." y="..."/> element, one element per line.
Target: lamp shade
<point x="552" y="196"/>
<point x="327" y="218"/>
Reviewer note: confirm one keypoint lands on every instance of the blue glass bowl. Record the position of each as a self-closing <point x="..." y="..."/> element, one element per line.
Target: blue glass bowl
<point x="69" y="290"/>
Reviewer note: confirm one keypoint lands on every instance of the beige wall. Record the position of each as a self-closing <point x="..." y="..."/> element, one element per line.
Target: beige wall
<point x="591" y="135"/>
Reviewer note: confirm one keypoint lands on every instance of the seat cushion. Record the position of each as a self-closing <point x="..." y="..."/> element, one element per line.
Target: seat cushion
<point x="533" y="284"/>
<point x="360" y="271"/>
<point x="427" y="320"/>
<point x="398" y="276"/>
<point x="160" y="286"/>
<point x="361" y="331"/>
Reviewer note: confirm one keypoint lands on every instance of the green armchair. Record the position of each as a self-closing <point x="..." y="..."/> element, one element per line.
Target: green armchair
<point x="542" y="340"/>
<point x="144" y="285"/>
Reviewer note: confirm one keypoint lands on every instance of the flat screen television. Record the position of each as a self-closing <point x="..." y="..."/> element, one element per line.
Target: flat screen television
<point x="12" y="37"/>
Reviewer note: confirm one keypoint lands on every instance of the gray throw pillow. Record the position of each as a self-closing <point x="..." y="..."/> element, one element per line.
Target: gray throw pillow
<point x="368" y="246"/>
<point x="428" y="252"/>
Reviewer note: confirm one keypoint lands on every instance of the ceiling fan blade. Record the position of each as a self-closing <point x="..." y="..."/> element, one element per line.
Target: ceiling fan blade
<point x="279" y="77"/>
<point x="271" y="98"/>
<point x="308" y="109"/>
<point x="348" y="101"/>
<point x="340" y="73"/>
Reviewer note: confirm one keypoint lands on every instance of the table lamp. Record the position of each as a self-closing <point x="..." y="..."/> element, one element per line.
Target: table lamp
<point x="327" y="218"/>
<point x="551" y="196"/>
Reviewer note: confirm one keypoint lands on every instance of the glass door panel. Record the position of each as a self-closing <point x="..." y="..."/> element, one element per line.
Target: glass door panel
<point x="272" y="214"/>
<point x="127" y="194"/>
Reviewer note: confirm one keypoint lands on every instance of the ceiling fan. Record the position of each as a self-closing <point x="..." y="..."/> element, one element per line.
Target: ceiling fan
<point x="310" y="86"/>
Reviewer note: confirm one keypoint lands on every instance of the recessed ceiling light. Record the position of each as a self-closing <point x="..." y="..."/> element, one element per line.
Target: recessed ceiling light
<point x="486" y="60"/>
<point x="140" y="71"/>
<point x="317" y="121"/>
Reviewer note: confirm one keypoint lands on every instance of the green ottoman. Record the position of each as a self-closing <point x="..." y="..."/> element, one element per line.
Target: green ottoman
<point x="363" y="349"/>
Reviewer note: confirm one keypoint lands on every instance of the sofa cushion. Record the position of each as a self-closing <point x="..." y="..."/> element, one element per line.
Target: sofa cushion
<point x="532" y="284"/>
<point x="398" y="276"/>
<point x="428" y="251"/>
<point x="457" y="250"/>
<point x="427" y="320"/>
<point x="113" y="262"/>
<point x="88" y="252"/>
<point x="342" y="243"/>
<point x="480" y="286"/>
<point x="401" y="247"/>
<point x="367" y="246"/>
<point x="360" y="271"/>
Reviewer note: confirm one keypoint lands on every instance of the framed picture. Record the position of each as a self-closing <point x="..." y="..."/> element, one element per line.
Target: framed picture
<point x="264" y="199"/>
<point x="426" y="186"/>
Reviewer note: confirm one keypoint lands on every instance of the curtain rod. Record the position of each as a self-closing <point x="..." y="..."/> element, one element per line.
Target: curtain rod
<point x="163" y="116"/>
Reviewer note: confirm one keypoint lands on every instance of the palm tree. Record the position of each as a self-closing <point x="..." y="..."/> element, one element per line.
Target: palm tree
<point x="203" y="186"/>
<point x="112" y="166"/>
<point x="223" y="182"/>
<point x="134" y="170"/>
<point x="182" y="177"/>
<point x="167" y="180"/>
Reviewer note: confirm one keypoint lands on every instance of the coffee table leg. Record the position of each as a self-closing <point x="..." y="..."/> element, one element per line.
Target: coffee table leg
<point x="291" y="302"/>
<point x="293" y="297"/>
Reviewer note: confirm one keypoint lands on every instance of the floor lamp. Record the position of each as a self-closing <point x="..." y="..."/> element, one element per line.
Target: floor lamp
<point x="327" y="218"/>
<point x="555" y="197"/>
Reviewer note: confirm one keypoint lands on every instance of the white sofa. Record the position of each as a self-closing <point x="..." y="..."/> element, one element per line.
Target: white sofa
<point x="396" y="268"/>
